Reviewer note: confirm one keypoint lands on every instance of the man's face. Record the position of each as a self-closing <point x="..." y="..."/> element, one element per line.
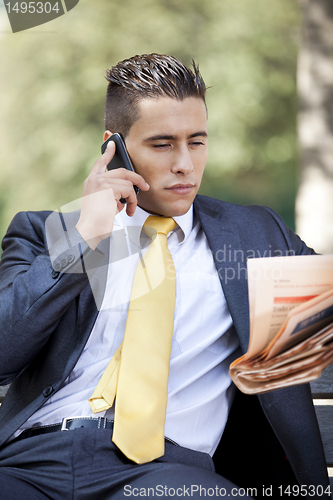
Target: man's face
<point x="168" y="147"/>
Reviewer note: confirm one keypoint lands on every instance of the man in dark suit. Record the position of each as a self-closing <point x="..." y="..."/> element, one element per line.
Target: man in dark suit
<point x="65" y="291"/>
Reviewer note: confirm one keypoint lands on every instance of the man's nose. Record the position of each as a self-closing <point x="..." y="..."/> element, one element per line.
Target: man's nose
<point x="183" y="163"/>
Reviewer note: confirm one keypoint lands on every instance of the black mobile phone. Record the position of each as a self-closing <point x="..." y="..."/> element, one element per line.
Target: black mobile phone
<point x="121" y="157"/>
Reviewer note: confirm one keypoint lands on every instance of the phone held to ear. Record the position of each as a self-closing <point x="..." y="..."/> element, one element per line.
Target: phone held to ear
<point x="120" y="159"/>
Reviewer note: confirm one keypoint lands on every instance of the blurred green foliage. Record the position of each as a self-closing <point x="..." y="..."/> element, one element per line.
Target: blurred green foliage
<point x="52" y="91"/>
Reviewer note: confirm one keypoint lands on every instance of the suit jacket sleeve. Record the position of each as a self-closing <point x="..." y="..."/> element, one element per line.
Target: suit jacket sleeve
<point x="34" y="291"/>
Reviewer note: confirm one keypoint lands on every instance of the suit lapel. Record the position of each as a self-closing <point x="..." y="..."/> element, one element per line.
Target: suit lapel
<point x="229" y="257"/>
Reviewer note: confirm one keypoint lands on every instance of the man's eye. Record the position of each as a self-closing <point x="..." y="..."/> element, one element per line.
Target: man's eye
<point x="197" y="143"/>
<point x="161" y="146"/>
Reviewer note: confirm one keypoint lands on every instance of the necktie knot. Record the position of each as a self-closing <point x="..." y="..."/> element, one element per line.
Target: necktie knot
<point x="156" y="224"/>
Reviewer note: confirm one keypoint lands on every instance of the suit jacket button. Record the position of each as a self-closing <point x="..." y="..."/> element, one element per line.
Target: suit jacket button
<point x="48" y="391"/>
<point x="70" y="259"/>
<point x="55" y="274"/>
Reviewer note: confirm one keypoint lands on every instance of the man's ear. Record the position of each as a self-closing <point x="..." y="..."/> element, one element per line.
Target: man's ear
<point x="106" y="135"/>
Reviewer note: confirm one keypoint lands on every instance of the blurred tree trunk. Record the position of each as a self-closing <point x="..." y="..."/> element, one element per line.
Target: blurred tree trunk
<point x="314" y="204"/>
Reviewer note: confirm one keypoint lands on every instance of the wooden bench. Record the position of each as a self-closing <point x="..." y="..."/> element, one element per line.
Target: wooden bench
<point x="322" y="391"/>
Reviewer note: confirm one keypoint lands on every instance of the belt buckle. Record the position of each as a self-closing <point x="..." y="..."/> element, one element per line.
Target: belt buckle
<point x="64" y="422"/>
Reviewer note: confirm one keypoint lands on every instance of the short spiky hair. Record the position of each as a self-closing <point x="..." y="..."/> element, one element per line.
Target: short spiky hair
<point x="146" y="76"/>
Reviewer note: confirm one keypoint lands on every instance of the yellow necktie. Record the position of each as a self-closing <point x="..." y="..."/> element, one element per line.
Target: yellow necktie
<point x="138" y="372"/>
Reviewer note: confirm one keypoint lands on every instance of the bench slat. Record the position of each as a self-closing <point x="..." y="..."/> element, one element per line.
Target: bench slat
<point x="323" y="386"/>
<point x="325" y="420"/>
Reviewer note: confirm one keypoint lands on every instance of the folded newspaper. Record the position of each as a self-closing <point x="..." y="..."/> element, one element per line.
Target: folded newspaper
<point x="291" y="323"/>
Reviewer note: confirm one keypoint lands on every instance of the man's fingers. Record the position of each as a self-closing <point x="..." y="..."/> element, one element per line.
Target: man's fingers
<point x="101" y="164"/>
<point x="115" y="176"/>
<point x="120" y="189"/>
<point x="131" y="206"/>
<point x="120" y="174"/>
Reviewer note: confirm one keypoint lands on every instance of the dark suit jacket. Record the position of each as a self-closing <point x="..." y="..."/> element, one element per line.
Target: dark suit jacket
<point x="48" y="311"/>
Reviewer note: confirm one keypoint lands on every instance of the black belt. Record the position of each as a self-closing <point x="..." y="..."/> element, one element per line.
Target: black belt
<point x="71" y="423"/>
<point x="68" y="424"/>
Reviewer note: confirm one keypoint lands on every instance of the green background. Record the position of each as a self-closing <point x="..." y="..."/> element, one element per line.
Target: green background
<point x="52" y="91"/>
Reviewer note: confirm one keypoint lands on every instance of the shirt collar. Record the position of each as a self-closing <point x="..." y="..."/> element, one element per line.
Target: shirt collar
<point x="123" y="221"/>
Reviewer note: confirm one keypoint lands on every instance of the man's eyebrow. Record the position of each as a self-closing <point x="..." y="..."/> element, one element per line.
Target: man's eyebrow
<point x="160" y="138"/>
<point x="198" y="134"/>
<point x="173" y="137"/>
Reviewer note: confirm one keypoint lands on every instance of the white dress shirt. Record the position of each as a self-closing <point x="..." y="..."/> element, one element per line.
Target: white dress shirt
<point x="200" y="391"/>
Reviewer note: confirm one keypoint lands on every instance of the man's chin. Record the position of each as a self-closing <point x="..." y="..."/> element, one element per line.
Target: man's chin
<point x="166" y="207"/>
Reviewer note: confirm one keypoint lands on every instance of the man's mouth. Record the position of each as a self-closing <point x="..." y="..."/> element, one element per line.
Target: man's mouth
<point x="181" y="188"/>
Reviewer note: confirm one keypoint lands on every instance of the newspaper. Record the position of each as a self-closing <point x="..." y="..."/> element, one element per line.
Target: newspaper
<point x="290" y="301"/>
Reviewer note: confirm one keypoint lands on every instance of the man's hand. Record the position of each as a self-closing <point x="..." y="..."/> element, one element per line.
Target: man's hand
<point x="102" y="191"/>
